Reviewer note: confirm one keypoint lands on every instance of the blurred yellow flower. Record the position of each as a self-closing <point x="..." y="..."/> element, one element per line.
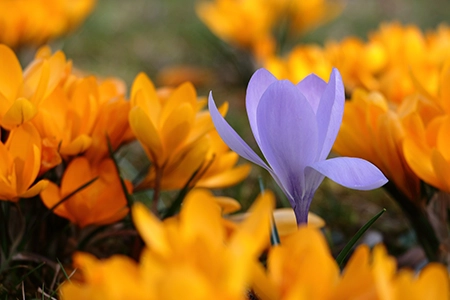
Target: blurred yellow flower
<point x="305" y="15"/>
<point x="242" y="23"/>
<point x="35" y="22"/>
<point x="299" y="63"/>
<point x="426" y="149"/>
<point x="185" y="258"/>
<point x="392" y="61"/>
<point x="179" y="138"/>
<point x="252" y="24"/>
<point x="427" y="126"/>
<point x="102" y="202"/>
<point x="375" y="276"/>
<point x="372" y="130"/>
<point x="315" y="274"/>
<point x="20" y="160"/>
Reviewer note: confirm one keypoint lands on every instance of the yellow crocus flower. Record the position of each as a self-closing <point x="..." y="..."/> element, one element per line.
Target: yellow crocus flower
<point x="316" y="275"/>
<point x="179" y="139"/>
<point x="188" y="257"/>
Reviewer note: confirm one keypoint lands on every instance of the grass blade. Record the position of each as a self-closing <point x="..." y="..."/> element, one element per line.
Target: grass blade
<point x="344" y="253"/>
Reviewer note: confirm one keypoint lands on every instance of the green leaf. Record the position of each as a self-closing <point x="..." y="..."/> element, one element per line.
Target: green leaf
<point x="345" y="252"/>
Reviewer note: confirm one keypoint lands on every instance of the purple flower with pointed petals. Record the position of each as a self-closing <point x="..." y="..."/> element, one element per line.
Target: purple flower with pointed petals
<point x="295" y="127"/>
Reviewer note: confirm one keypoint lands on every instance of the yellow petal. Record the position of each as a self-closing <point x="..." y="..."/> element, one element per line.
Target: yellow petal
<point x="256" y="226"/>
<point x="150" y="229"/>
<point x="262" y="285"/>
<point x="228" y="205"/>
<point x="433" y="282"/>
<point x="185" y="93"/>
<point x="200" y="208"/>
<point x="176" y="127"/>
<point x="225" y="178"/>
<point x="146" y="133"/>
<point x="20" y="112"/>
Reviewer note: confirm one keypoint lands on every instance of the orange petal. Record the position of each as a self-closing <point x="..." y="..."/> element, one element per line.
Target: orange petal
<point x="10" y="73"/>
<point x="418" y="158"/>
<point x="35" y="189"/>
<point x="77" y="146"/>
<point x="51" y="196"/>
<point x="77" y="173"/>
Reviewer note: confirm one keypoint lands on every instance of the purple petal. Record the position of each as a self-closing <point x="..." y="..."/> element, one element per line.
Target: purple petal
<point x="258" y="84"/>
<point x="312" y="87"/>
<point x="288" y="134"/>
<point x="231" y="138"/>
<point x="329" y="113"/>
<point x="351" y="172"/>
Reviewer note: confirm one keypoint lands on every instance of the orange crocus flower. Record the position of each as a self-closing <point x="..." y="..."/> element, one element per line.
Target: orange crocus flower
<point x="20" y="160"/>
<point x="101" y="202"/>
<point x="22" y="92"/>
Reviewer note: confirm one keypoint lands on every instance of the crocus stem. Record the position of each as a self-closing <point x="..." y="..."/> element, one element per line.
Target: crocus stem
<point x="157" y="190"/>
<point x="301" y="210"/>
<point x="419" y="221"/>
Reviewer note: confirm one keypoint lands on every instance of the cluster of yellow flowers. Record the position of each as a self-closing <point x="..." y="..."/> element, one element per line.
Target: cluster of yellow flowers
<point x="51" y="114"/>
<point x="192" y="257"/>
<point x="253" y="24"/>
<point x="35" y="22"/>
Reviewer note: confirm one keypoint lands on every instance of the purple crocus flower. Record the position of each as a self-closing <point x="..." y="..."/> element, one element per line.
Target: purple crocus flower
<point x="295" y="127"/>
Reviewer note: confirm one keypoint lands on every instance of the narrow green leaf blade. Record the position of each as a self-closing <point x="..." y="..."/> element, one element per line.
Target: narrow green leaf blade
<point x="344" y="253"/>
